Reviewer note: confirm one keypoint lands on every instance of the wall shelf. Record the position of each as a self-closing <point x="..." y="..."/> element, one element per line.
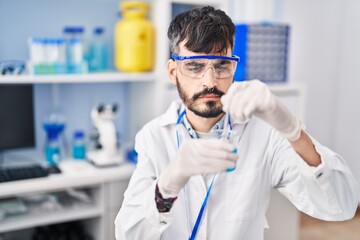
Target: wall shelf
<point x="79" y="78"/>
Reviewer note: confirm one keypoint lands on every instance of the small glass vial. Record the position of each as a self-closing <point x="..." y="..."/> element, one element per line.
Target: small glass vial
<point x="78" y="145"/>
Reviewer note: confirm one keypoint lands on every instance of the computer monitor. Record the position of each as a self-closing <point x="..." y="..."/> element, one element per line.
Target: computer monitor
<point x="16" y="117"/>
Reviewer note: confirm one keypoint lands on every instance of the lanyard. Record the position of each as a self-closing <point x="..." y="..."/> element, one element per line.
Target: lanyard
<point x="198" y="219"/>
<point x="200" y="214"/>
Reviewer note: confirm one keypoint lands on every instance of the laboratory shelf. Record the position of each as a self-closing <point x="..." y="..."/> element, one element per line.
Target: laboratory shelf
<point x="79" y="78"/>
<point x="30" y="220"/>
<point x="105" y="187"/>
<point x="75" y="174"/>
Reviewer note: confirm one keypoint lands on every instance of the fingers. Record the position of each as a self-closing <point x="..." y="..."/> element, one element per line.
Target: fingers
<point x="227" y="99"/>
<point x="217" y="166"/>
<point x="209" y="156"/>
<point x="214" y="163"/>
<point x="240" y="101"/>
<point x="219" y="155"/>
<point x="244" y="99"/>
<point x="216" y="144"/>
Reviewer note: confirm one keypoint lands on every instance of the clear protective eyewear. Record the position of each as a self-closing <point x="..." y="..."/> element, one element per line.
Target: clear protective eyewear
<point x="12" y="67"/>
<point x="196" y="66"/>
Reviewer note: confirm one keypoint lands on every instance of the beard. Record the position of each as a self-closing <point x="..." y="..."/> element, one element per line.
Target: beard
<point x="210" y="111"/>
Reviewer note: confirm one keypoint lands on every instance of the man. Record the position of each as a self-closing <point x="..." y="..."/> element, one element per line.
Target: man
<point x="190" y="185"/>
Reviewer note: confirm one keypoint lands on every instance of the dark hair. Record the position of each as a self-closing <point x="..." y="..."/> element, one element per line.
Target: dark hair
<point x="204" y="29"/>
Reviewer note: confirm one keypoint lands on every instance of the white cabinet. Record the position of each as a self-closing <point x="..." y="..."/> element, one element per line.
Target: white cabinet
<point x="105" y="187"/>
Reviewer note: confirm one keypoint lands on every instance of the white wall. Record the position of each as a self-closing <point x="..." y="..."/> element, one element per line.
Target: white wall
<point x="314" y="55"/>
<point x="325" y="57"/>
<point x="347" y="132"/>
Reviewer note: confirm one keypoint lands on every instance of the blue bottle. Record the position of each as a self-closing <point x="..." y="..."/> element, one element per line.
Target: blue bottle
<point x="54" y="125"/>
<point x="98" y="52"/>
<point x="78" y="145"/>
<point x="52" y="150"/>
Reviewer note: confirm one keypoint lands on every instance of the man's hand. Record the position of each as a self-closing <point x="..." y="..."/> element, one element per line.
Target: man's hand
<point x="244" y="99"/>
<point x="196" y="156"/>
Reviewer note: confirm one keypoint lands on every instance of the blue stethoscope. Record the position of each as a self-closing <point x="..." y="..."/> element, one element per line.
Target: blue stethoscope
<point x="227" y="124"/>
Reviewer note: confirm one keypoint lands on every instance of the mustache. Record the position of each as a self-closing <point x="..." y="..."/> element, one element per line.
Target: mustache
<point x="207" y="91"/>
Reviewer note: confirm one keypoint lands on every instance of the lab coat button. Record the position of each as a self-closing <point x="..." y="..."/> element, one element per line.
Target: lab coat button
<point x="163" y="222"/>
<point x="319" y="175"/>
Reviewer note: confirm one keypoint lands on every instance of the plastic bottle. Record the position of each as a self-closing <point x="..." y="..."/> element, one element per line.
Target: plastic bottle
<point x="134" y="39"/>
<point x="78" y="145"/>
<point x="60" y="66"/>
<point x="51" y="54"/>
<point x="98" y="55"/>
<point x="37" y="55"/>
<point x="55" y="55"/>
<point x="75" y="49"/>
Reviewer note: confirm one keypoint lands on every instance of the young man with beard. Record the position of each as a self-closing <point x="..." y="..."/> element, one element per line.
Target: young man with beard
<point x="189" y="184"/>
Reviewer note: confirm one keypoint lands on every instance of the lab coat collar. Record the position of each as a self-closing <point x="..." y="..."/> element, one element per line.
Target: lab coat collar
<point x="171" y="114"/>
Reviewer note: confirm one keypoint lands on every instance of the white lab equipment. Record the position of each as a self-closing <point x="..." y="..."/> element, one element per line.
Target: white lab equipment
<point x="47" y="55"/>
<point x="51" y="51"/>
<point x="36" y="50"/>
<point x="107" y="152"/>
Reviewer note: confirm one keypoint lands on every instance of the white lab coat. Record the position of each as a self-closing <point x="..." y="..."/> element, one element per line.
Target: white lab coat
<point x="239" y="199"/>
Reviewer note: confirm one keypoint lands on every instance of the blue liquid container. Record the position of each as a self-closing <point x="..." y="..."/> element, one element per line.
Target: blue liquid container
<point x="78" y="148"/>
<point x="54" y="128"/>
<point x="232" y="169"/>
<point x="53" y="145"/>
<point x="98" y="52"/>
<point x="52" y="150"/>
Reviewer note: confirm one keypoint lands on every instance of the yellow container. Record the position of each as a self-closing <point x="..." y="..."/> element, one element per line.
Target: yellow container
<point x="134" y="39"/>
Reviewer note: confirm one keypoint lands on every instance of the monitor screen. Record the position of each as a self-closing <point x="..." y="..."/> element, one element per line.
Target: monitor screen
<point x="16" y="117"/>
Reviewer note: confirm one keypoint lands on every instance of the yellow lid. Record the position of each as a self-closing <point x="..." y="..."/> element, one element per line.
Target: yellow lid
<point x="134" y="8"/>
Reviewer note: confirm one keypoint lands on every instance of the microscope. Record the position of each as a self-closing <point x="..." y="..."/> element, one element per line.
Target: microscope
<point x="106" y="152"/>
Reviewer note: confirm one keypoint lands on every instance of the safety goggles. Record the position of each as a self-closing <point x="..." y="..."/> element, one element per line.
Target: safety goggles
<point x="196" y="66"/>
<point x="12" y="67"/>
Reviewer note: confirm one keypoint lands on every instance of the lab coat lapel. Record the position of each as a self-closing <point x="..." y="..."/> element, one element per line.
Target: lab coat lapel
<point x="196" y="191"/>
